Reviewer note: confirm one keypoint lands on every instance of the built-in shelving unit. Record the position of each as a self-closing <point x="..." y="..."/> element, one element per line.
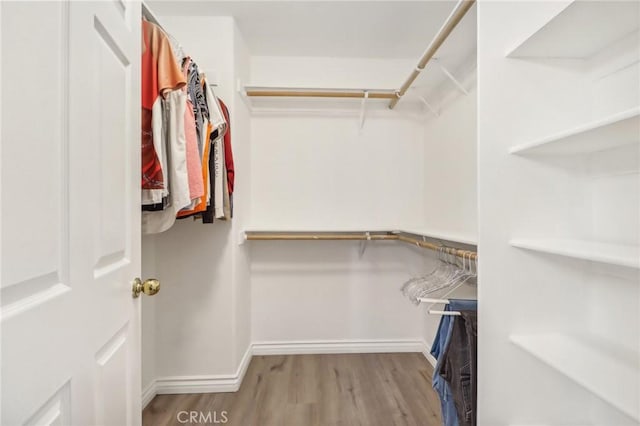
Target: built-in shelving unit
<point x="613" y="254"/>
<point x="607" y="371"/>
<point x="611" y="132"/>
<point x="579" y="31"/>
<point x="559" y="210"/>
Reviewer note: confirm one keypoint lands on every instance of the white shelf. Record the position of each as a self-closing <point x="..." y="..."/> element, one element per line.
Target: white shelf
<point x="581" y="30"/>
<point x="448" y="236"/>
<point x="616" y="130"/>
<point x="609" y="372"/>
<point x="613" y="254"/>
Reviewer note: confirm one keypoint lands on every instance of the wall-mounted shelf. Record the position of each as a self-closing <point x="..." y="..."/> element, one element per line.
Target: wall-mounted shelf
<point x="608" y="372"/>
<point x="579" y="31"/>
<point x="448" y="236"/>
<point x="611" y="132"/>
<point x="612" y="254"/>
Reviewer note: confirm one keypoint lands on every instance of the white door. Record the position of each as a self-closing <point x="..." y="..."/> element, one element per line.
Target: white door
<point x="70" y="233"/>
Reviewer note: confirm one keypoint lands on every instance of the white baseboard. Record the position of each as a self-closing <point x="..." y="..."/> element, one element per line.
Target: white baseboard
<point x="232" y="382"/>
<point x="197" y="384"/>
<point x="148" y="394"/>
<point x="429" y="357"/>
<point x="336" y="347"/>
<point x="244" y="364"/>
<point x="203" y="383"/>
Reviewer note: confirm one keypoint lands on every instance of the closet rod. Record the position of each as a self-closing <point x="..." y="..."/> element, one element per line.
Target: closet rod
<point x="311" y="93"/>
<point x="456" y="16"/>
<point x="355" y="236"/>
<point x="149" y="15"/>
<point x="467" y="254"/>
<point x="319" y="236"/>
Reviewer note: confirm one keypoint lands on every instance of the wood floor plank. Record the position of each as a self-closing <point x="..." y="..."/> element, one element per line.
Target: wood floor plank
<point x="316" y="390"/>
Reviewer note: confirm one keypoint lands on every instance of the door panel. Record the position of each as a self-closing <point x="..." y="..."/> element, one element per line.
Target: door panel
<point x="56" y="411"/>
<point x="112" y="373"/>
<point x="113" y="87"/>
<point x="70" y="212"/>
<point x="35" y="208"/>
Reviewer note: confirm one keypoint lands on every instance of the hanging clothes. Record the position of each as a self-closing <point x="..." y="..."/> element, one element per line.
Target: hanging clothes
<point x="219" y="127"/>
<point x="194" y="161"/>
<point x="455" y="374"/>
<point x="200" y="108"/>
<point x="204" y="201"/>
<point x="179" y="195"/>
<point x="184" y="138"/>
<point x="229" y="168"/>
<point x="160" y="74"/>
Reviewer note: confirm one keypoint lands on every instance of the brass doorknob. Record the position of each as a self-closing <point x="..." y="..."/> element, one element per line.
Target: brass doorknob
<point x="148" y="287"/>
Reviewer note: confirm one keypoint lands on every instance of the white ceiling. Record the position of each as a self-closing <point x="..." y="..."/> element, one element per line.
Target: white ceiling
<point x="378" y="29"/>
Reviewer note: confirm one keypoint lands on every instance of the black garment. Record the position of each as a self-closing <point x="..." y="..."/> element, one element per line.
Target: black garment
<point x="460" y="366"/>
<point x="471" y="326"/>
<point x="208" y="216"/>
<point x="157" y="207"/>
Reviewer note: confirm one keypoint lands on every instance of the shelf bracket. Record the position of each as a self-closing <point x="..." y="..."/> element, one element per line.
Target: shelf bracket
<point x="430" y="107"/>
<point x="363" y="244"/>
<point x="453" y="79"/>
<point x="363" y="107"/>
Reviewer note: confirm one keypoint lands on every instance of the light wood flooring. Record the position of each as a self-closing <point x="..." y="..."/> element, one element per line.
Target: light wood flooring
<point x="309" y="390"/>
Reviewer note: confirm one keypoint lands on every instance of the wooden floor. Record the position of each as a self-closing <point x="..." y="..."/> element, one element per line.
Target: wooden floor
<point x="307" y="390"/>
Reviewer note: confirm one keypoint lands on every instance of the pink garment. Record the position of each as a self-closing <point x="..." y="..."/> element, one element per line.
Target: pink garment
<point x="194" y="165"/>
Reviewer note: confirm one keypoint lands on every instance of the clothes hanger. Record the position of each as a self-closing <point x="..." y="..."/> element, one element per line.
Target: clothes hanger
<point x="473" y="272"/>
<point x="408" y="285"/>
<point x="437" y="275"/>
<point x="459" y="276"/>
<point x="468" y="273"/>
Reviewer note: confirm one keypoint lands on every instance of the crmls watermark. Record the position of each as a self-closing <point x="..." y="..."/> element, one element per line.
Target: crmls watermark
<point x="202" y="417"/>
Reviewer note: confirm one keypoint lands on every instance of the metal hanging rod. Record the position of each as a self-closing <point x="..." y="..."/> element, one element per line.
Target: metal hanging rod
<point x="456" y="16"/>
<point x="432" y="246"/>
<point x="148" y="14"/>
<point x="320" y="93"/>
<point x="355" y="236"/>
<point x="306" y="236"/>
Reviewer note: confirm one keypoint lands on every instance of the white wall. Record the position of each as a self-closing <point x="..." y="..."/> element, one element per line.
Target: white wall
<point x="324" y="291"/>
<point x="148" y="314"/>
<point x="366" y="73"/>
<point x="241" y="140"/>
<point x="450" y="158"/>
<point x="320" y="171"/>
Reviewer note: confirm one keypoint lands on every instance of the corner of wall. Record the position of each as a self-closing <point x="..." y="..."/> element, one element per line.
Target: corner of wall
<point x="241" y="138"/>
